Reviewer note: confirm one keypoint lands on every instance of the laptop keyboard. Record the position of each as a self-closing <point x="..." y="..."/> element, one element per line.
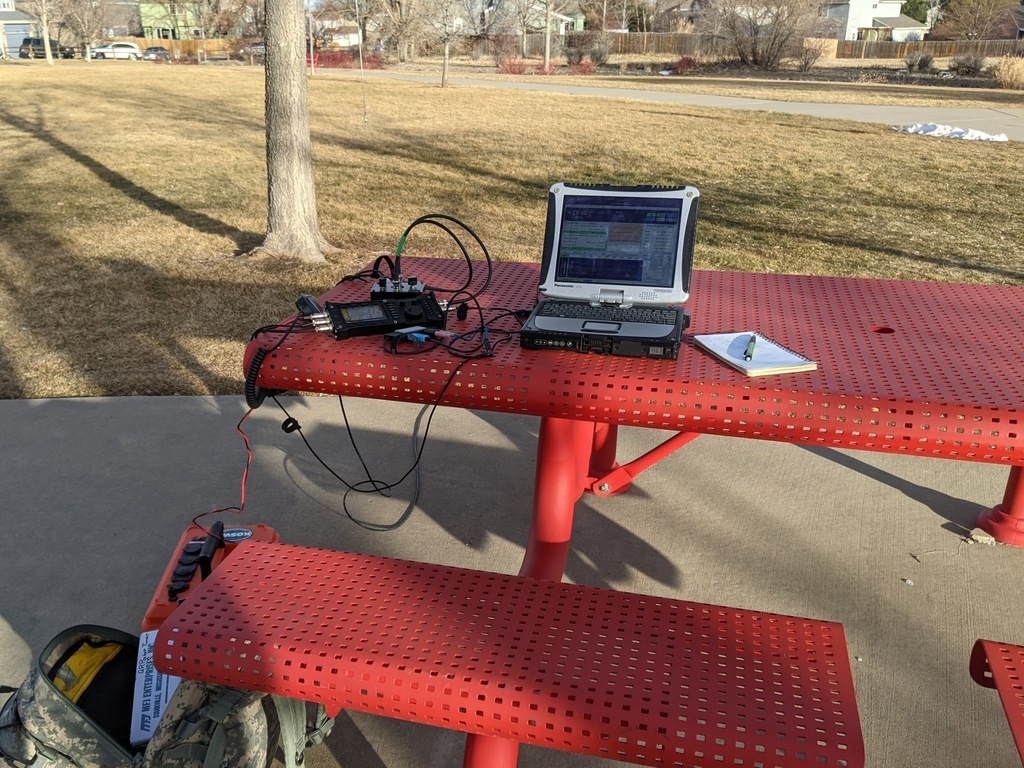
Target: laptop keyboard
<point x="583" y="311"/>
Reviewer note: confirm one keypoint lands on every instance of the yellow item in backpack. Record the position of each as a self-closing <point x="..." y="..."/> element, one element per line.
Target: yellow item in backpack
<point x="76" y="673"/>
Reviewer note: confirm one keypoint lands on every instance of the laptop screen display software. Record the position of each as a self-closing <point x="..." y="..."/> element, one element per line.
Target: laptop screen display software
<point x="618" y="239"/>
<point x="619" y="245"/>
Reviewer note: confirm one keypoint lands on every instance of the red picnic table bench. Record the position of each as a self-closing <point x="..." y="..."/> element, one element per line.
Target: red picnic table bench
<point x="1001" y="666"/>
<point x="509" y="660"/>
<point x="904" y="367"/>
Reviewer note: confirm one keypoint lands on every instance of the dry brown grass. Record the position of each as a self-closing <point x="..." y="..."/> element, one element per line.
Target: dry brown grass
<point x="127" y="189"/>
<point x="1009" y="73"/>
<point x="858" y="83"/>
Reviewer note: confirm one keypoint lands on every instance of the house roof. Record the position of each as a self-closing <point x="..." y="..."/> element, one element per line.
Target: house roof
<point x="677" y="6"/>
<point x="1008" y="23"/>
<point x="13" y="17"/>
<point x="898" y="22"/>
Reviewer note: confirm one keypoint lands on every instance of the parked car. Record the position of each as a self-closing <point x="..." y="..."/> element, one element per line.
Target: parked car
<point x="117" y="51"/>
<point x="34" y="48"/>
<point x="156" y="53"/>
<point x="255" y="51"/>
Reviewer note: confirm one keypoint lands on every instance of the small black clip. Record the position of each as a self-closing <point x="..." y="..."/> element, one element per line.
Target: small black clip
<point x="290" y="425"/>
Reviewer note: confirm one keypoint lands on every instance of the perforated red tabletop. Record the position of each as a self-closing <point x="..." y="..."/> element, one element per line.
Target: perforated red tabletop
<point x="635" y="678"/>
<point x="904" y="367"/>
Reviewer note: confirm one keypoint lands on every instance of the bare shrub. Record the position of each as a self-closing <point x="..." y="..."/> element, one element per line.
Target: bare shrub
<point x="512" y="67"/>
<point x="684" y="64"/>
<point x="1009" y="73"/>
<point x="573" y="55"/>
<point x="599" y="54"/>
<point x="919" y="60"/>
<point x="334" y="60"/>
<point x="967" y="64"/>
<point x="806" y="58"/>
<point x="762" y="34"/>
<point x="504" y="48"/>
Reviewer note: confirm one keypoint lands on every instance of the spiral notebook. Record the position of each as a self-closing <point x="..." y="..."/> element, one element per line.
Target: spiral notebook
<point x="767" y="356"/>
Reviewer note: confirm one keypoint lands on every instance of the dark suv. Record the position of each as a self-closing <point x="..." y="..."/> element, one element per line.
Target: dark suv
<point x="33" y="48"/>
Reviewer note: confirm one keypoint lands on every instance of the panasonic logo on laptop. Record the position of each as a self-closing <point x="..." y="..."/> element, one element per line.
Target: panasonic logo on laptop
<point x="565" y="285"/>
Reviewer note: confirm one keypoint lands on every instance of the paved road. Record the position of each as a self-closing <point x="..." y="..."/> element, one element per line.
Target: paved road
<point x="992" y="121"/>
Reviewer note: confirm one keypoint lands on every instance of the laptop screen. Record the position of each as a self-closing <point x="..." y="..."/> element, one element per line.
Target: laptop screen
<point x="630" y="245"/>
<point x="618" y="240"/>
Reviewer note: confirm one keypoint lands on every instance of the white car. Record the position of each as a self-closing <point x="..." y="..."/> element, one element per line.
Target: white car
<point x="117" y="51"/>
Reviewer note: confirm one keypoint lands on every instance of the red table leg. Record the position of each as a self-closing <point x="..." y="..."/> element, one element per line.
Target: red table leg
<point x="563" y="458"/>
<point x="602" y="460"/>
<point x="1005" y="522"/>
<point x="490" y="752"/>
<point x="564" y="449"/>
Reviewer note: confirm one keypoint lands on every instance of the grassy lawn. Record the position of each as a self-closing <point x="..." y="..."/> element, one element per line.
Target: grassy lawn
<point x="127" y="191"/>
<point x="786" y="85"/>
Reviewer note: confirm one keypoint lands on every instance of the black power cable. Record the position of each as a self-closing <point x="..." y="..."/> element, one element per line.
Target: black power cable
<point x="478" y="339"/>
<point x="371" y="484"/>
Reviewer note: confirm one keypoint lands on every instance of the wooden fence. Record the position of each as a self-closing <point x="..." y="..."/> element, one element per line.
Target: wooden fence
<point x="215" y="47"/>
<point x="671" y="46"/>
<point x="872" y="49"/>
<point x="674" y="45"/>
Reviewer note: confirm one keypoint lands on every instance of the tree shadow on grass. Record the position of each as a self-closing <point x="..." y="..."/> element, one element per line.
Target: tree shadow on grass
<point x="93" y="319"/>
<point x="200" y="222"/>
<point x="407" y="146"/>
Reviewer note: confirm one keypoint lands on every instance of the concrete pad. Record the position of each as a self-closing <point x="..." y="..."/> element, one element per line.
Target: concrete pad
<point x="96" y="493"/>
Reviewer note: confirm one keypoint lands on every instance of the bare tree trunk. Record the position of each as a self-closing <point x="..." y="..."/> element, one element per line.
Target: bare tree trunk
<point x="444" y="65"/>
<point x="293" y="228"/>
<point x="547" y="35"/>
<point x="44" y="22"/>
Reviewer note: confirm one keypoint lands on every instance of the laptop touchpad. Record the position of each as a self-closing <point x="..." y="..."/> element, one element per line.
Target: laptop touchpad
<point x="599" y="327"/>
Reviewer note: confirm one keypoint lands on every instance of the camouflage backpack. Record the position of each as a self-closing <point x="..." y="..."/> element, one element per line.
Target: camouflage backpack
<point x="74" y="711"/>
<point x="74" y="708"/>
<point x="209" y="726"/>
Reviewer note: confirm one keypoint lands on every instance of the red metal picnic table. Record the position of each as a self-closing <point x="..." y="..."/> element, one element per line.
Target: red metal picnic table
<point x="918" y="368"/>
<point x="905" y="367"/>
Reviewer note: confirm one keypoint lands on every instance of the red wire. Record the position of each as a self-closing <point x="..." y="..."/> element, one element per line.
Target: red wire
<point x="245" y="477"/>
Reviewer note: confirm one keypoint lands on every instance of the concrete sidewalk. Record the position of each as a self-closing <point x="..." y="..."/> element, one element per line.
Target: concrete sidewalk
<point x="97" y="491"/>
<point x="1008" y="120"/>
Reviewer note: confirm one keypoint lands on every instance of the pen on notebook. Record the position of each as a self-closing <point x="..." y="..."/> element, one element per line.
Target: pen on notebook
<point x="749" y="353"/>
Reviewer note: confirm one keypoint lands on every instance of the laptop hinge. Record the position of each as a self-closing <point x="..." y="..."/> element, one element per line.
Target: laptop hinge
<point x="614" y="298"/>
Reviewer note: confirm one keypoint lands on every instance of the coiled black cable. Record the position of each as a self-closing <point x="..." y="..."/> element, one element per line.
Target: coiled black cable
<point x="255" y="395"/>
